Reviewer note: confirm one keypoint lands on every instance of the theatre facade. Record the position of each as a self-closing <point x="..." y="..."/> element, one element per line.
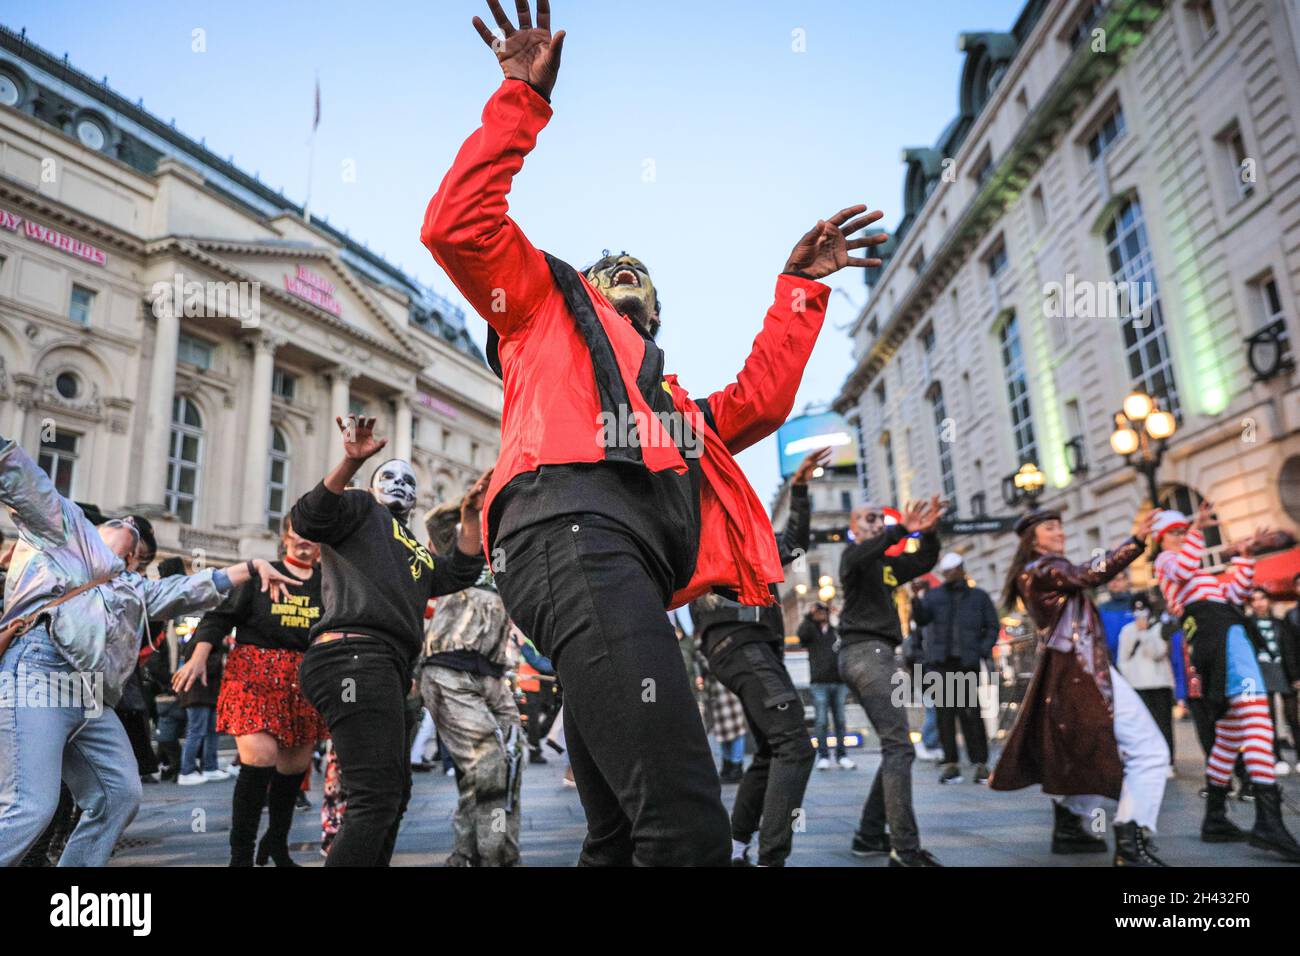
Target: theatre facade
<point x="176" y="338"/>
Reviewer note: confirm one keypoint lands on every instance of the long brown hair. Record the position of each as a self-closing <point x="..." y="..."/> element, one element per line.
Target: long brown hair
<point x="1025" y="553"/>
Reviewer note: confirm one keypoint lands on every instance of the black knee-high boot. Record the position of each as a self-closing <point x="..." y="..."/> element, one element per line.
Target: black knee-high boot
<point x="246" y="812"/>
<point x="280" y="799"/>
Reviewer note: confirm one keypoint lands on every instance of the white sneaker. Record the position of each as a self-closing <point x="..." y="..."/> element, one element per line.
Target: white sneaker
<point x="451" y="771"/>
<point x="190" y="779"/>
<point x="846" y="764"/>
<point x="823" y="763"/>
<point x="215" y="775"/>
<point x="1281" y="768"/>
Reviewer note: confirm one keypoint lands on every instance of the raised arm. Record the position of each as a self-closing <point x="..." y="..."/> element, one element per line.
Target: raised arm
<point x="757" y="403"/>
<point x="34" y="505"/>
<point x="466" y="226"/>
<point x="792" y="543"/>
<point x="324" y="514"/>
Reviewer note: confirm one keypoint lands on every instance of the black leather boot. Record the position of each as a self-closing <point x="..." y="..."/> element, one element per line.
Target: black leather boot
<point x="1069" y="835"/>
<point x="1132" y="848"/>
<point x="246" y="812"/>
<point x="1216" y="827"/>
<point x="1270" y="833"/>
<point x="280" y="800"/>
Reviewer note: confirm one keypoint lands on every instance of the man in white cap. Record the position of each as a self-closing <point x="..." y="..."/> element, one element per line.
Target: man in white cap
<point x="960" y="626"/>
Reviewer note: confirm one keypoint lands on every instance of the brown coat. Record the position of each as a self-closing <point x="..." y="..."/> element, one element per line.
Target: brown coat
<point x="1064" y="736"/>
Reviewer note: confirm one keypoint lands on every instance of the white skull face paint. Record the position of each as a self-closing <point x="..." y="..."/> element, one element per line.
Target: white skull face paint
<point x="393" y="486"/>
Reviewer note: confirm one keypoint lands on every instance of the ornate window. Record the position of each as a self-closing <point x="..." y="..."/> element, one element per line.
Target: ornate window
<point x="277" y="480"/>
<point x="183" y="459"/>
<point x="1146" y="347"/>
<point x="1013" y="367"/>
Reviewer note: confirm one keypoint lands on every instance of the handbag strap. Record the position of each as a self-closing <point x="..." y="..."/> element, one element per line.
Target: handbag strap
<point x="28" y="621"/>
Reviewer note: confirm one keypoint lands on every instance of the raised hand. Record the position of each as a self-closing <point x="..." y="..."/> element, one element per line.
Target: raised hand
<point x="818" y="458"/>
<point x="471" y="512"/>
<point x="1144" y="522"/>
<point x="529" y="53"/>
<point x="273" y="581"/>
<point x="825" y="247"/>
<point x="359" y="441"/>
<point x="930" y="517"/>
<point x="1205" y="516"/>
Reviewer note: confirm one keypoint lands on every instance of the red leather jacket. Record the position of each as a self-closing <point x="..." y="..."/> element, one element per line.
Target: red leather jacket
<point x="551" y="408"/>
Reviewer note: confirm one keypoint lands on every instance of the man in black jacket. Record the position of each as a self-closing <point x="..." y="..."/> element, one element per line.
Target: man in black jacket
<point x="960" y="627"/>
<point x="870" y="633"/>
<point x="818" y="635"/>
<point x="744" y="647"/>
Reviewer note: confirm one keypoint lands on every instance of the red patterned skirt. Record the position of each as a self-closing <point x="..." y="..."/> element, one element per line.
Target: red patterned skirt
<point x="260" y="694"/>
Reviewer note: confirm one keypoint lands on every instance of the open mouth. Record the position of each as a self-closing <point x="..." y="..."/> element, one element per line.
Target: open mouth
<point x="625" y="275"/>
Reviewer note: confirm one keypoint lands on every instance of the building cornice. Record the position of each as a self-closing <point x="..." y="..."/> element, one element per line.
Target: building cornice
<point x="1126" y="23"/>
<point x="191" y="249"/>
<point x="29" y="201"/>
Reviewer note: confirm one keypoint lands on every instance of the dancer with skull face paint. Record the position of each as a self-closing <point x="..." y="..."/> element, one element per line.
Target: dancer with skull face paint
<point x="604" y="528"/>
<point x="376" y="582"/>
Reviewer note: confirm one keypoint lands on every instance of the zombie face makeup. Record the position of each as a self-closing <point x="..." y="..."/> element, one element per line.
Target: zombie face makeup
<point x="625" y="282"/>
<point x="393" y="485"/>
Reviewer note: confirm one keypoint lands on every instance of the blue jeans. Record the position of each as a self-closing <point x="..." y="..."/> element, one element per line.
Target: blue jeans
<point x="829" y="698"/>
<point x="41" y="743"/>
<point x="930" y="730"/>
<point x="200" y="733"/>
<point x="733" y="750"/>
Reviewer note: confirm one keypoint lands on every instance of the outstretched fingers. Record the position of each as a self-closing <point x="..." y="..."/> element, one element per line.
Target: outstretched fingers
<point x="849" y="228"/>
<point x="488" y="36"/>
<point x="844" y="215"/>
<point x="499" y="15"/>
<point x="525" y="15"/>
<point x="543" y="14"/>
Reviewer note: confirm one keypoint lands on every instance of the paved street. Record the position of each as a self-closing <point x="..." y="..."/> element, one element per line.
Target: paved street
<point x="964" y="825"/>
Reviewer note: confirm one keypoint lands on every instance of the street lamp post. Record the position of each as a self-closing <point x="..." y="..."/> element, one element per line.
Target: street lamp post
<point x="1142" y="428"/>
<point x="1024" y="486"/>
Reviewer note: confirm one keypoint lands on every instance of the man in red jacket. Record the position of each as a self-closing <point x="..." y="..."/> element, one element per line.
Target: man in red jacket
<point x="615" y="494"/>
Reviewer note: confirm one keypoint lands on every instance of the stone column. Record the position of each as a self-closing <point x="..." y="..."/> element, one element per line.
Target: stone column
<point x="402" y="428"/>
<point x="252" y="515"/>
<point x="158" y="415"/>
<point x="340" y="394"/>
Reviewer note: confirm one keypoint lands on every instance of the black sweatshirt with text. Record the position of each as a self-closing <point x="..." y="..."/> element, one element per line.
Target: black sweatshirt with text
<point x="377" y="577"/>
<point x="261" y="622"/>
<point x="869" y="577"/>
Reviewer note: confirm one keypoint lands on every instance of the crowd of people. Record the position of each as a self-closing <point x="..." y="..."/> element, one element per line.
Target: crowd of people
<point x="604" y="512"/>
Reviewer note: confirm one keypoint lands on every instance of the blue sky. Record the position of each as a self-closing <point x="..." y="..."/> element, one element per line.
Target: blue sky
<point x="750" y="142"/>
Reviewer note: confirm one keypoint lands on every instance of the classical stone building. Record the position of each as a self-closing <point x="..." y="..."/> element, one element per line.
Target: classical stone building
<point x="1116" y="206"/>
<point x="176" y="338"/>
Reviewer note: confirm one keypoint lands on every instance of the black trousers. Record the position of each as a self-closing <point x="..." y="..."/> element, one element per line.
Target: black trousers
<point x="959" y="703"/>
<point x="1160" y="701"/>
<point x="359" y="686"/>
<point x="769" y="799"/>
<point x="586" y="593"/>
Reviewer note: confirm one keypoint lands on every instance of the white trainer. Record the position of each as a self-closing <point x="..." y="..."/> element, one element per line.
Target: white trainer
<point x="215" y="775"/>
<point x="823" y="763"/>
<point x="846" y="764"/>
<point x="190" y="779"/>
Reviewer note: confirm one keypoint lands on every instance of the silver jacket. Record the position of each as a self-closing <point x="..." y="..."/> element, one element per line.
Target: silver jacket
<point x="58" y="549"/>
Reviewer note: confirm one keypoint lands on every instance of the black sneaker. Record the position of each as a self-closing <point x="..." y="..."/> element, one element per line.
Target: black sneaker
<point x="867" y="845"/>
<point x="951" y="774"/>
<point x="536" y="756"/>
<point x="981" y="773"/>
<point x="742" y="860"/>
<point x="919" y="858"/>
<point x="301" y="802"/>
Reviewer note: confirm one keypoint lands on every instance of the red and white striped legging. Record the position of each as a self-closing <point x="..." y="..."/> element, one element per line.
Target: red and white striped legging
<point x="1247" y="728"/>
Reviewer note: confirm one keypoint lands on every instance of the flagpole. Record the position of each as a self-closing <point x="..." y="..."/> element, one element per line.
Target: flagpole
<point x="311" y="154"/>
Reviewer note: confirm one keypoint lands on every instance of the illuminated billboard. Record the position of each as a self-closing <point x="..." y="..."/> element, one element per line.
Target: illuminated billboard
<point x="801" y="435"/>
